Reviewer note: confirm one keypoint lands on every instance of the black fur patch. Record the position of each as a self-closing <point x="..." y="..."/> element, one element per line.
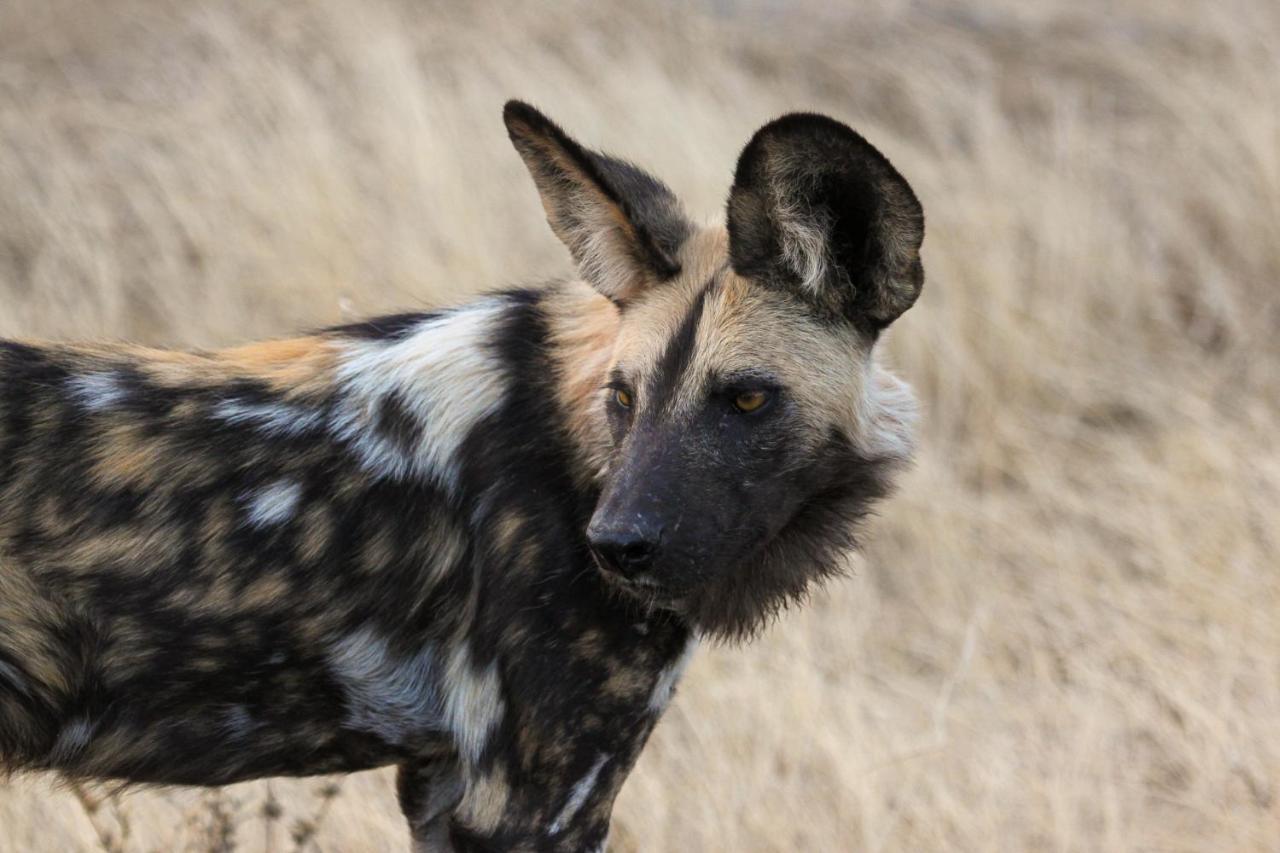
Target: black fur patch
<point x="680" y="349"/>
<point x="392" y="327"/>
<point x="813" y="546"/>
<point x="395" y="421"/>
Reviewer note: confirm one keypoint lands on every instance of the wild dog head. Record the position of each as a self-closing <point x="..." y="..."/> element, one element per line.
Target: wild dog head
<point x="748" y="423"/>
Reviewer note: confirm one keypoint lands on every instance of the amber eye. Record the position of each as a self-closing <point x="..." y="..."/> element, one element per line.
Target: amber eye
<point x="750" y="401"/>
<point x="622" y="397"/>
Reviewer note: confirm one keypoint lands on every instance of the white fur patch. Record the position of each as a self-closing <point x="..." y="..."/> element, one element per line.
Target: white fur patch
<point x="72" y="740"/>
<point x="889" y="412"/>
<point x="804" y="245"/>
<point x="274" y="504"/>
<point x="443" y="377"/>
<point x="473" y="704"/>
<point x="670" y="676"/>
<point x="282" y="419"/>
<point x="394" y="698"/>
<point x="97" y="392"/>
<point x="578" y="795"/>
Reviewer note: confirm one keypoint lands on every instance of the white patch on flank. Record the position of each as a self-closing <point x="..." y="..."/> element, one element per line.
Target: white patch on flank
<point x="282" y="419"/>
<point x="443" y="376"/>
<point x="274" y="504"/>
<point x="97" y="392"/>
<point x="72" y="740"/>
<point x="578" y="795"/>
<point x="394" y="698"/>
<point x="473" y="704"/>
<point x="670" y="676"/>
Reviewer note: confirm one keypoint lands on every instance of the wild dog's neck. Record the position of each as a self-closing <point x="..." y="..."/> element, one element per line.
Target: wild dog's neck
<point x="583" y="331"/>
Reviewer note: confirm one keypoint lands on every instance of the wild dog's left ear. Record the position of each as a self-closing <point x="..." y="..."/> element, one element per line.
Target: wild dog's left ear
<point x="621" y="224"/>
<point x="817" y="208"/>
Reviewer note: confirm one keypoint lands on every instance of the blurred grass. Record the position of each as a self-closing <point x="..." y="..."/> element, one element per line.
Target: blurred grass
<point x="1066" y="634"/>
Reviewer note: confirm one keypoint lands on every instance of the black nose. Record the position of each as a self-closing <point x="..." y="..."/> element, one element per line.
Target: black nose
<point x="625" y="552"/>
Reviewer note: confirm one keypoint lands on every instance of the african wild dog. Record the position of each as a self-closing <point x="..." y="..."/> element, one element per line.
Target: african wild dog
<point x="480" y="543"/>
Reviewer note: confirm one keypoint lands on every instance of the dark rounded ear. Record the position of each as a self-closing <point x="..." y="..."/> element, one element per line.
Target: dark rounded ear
<point x="816" y="208"/>
<point x="622" y="225"/>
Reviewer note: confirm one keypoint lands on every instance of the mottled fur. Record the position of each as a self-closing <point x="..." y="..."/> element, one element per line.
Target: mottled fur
<point x="378" y="544"/>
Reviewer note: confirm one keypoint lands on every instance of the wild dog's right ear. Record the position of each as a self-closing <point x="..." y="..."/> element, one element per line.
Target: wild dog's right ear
<point x="623" y="226"/>
<point x="816" y="208"/>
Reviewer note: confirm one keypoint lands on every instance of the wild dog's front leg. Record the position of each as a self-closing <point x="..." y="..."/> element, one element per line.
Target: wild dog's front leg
<point x="567" y="814"/>
<point x="583" y="685"/>
<point x="428" y="791"/>
<point x="550" y="782"/>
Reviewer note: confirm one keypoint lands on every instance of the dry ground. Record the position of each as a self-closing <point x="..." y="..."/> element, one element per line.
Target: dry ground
<point x="1066" y="635"/>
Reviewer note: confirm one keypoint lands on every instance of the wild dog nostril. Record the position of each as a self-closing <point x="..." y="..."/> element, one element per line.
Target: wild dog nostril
<point x="626" y="554"/>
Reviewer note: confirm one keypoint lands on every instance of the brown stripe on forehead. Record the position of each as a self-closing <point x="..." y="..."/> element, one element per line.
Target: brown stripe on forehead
<point x="679" y="351"/>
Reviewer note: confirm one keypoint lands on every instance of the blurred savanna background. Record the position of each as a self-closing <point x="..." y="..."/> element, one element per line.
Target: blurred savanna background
<point x="1065" y="632"/>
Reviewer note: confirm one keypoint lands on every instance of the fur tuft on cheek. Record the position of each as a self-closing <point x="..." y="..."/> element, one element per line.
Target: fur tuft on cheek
<point x="887" y="417"/>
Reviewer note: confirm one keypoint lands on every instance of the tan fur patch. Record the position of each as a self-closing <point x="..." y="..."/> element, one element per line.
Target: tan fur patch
<point x="26" y="613"/>
<point x="486" y="801"/>
<point x="316" y="531"/>
<point x="135" y="547"/>
<point x="448" y="546"/>
<point x="293" y="367"/>
<point x="266" y="592"/>
<point x="584" y="327"/>
<point x="746" y="328"/>
<point x="507" y="532"/>
<point x="125" y="457"/>
<point x="589" y="644"/>
<point x="625" y="683"/>
<point x="378" y="550"/>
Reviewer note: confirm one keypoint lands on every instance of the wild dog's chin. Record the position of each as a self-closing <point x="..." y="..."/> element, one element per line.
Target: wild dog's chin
<point x="813" y="546"/>
<point x="644" y="594"/>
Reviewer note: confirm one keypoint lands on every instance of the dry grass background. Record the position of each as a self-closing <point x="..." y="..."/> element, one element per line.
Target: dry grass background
<point x="1066" y="635"/>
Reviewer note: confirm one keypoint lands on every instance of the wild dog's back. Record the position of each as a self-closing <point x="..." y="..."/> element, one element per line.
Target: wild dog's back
<point x="199" y="570"/>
